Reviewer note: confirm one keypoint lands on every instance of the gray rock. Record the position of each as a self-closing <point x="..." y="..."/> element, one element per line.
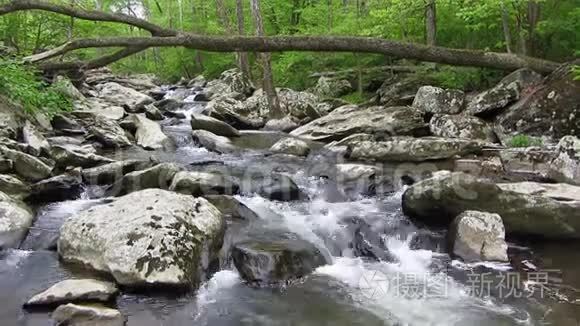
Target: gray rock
<point x="399" y="92"/>
<point x="159" y="176"/>
<point x="113" y="172"/>
<point x="152" y="112"/>
<point x="34" y="138"/>
<point x="232" y="208"/>
<point x="65" y="140"/>
<point x="171" y="239"/>
<point x="230" y="81"/>
<point x="231" y="111"/>
<point x="286" y="124"/>
<point x="10" y="119"/>
<point x="527" y="208"/>
<point x="351" y="119"/>
<point x="276" y="261"/>
<point x="85" y="315"/>
<point x="278" y="187"/>
<point x="566" y="167"/>
<point x="477" y="236"/>
<point x="27" y="166"/>
<point x="109" y="133"/>
<point x="408" y="149"/>
<point x="300" y="105"/>
<point x="149" y="134"/>
<point x="68" y="291"/>
<point x="117" y="94"/>
<point x="529" y="163"/>
<point x="332" y="87"/>
<point x="69" y="89"/>
<point x="15" y="219"/>
<point x="507" y="91"/>
<point x="6" y="165"/>
<point x="13" y="186"/>
<point x="461" y="126"/>
<point x="63" y="187"/>
<point x="66" y="124"/>
<point x="439" y="101"/>
<point x="291" y="146"/>
<point x="202" y="122"/>
<point x="77" y="156"/>
<point x="97" y="106"/>
<point x="201" y="184"/>
<point x="213" y="142"/>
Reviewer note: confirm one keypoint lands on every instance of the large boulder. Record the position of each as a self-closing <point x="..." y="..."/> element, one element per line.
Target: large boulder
<point x="126" y="97"/>
<point x="291" y="146"/>
<point x="15" y="219"/>
<point x="476" y="236"/>
<point x="113" y="172"/>
<point x="75" y="290"/>
<point x="160" y="176"/>
<point x="351" y="119"/>
<point x="461" y="126"/>
<point x="77" y="156"/>
<point x="436" y="100"/>
<point x="149" y="134"/>
<point x="286" y="124"/>
<point x="276" y="261"/>
<point x="408" y="149"/>
<point x="166" y="239"/>
<point x="552" y="110"/>
<point x="331" y="87"/>
<point x="230" y="81"/>
<point x="231" y="111"/>
<point x="300" y="105"/>
<point x="527" y="208"/>
<point x="566" y="167"/>
<point x="213" y="142"/>
<point x="34" y="138"/>
<point x="97" y="106"/>
<point x="109" y="133"/>
<point x="507" y="91"/>
<point x="87" y="315"/>
<point x="201" y="184"/>
<point x="27" y="166"/>
<point x="203" y="122"/>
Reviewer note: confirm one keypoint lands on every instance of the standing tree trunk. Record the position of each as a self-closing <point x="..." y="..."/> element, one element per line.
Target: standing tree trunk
<point x="533" y="19"/>
<point x="505" y="21"/>
<point x="268" y="80"/>
<point x="431" y="23"/>
<point x="243" y="61"/>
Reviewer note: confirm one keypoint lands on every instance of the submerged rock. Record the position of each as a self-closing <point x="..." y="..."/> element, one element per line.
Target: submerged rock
<point x="461" y="126"/>
<point x="527" y="208"/>
<point x="291" y="146"/>
<point x="351" y="119"/>
<point x="213" y="142"/>
<point x="276" y="261"/>
<point x="476" y="236"/>
<point x="87" y="315"/>
<point x="201" y="183"/>
<point x="436" y="100"/>
<point x="566" y="167"/>
<point x="202" y="122"/>
<point x="169" y="239"/>
<point x="408" y="149"/>
<point x="68" y="291"/>
<point x="15" y="219"/>
<point x="27" y="166"/>
<point x="507" y="91"/>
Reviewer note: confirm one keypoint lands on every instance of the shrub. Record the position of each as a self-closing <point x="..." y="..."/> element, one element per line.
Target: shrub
<point x="21" y="84"/>
<point x="525" y="141"/>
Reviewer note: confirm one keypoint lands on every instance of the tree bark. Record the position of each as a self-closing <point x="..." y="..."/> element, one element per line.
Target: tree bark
<point x="268" y="79"/>
<point x="431" y="23"/>
<point x="243" y="60"/>
<point x="505" y="21"/>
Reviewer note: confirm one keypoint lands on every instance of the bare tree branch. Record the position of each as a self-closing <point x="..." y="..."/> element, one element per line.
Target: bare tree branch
<point x="92" y="15"/>
<point x="460" y="57"/>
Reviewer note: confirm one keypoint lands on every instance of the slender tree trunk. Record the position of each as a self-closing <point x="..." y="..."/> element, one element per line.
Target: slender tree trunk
<point x="243" y="60"/>
<point x="533" y="19"/>
<point x="268" y="80"/>
<point x="505" y="21"/>
<point x="431" y="23"/>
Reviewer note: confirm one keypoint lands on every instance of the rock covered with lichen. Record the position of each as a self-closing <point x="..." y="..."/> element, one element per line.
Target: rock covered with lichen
<point x="165" y="239"/>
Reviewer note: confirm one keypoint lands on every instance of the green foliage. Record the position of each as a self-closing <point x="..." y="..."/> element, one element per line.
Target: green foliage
<point x="21" y="84"/>
<point x="464" y="78"/>
<point x="576" y="72"/>
<point x="525" y="141"/>
<point x="357" y="98"/>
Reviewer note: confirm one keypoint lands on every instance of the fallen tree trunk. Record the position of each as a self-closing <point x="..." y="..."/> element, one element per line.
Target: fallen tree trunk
<point x="351" y="72"/>
<point x="396" y="49"/>
<point x="171" y="38"/>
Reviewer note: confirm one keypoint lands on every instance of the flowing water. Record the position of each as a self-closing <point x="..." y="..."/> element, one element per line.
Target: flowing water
<point x="413" y="281"/>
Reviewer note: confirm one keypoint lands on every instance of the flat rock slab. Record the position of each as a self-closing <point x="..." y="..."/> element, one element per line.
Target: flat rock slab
<point x="73" y="291"/>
